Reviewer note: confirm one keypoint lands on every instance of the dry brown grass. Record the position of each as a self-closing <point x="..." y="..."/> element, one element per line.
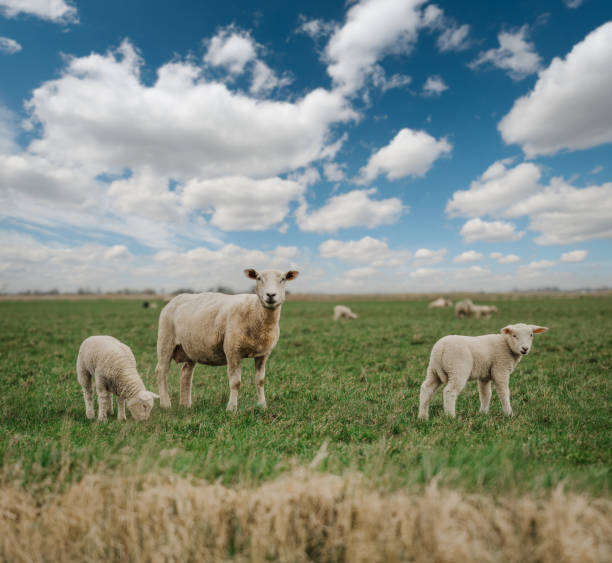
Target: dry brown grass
<point x="305" y="516"/>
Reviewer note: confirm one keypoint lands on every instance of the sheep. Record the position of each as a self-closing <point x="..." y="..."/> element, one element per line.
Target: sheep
<point x="343" y="312"/>
<point x="456" y="359"/>
<point x="113" y="366"/>
<point x="218" y="329"/>
<point x="440" y="303"/>
<point x="464" y="308"/>
<point x="483" y="310"/>
<point x="149" y="305"/>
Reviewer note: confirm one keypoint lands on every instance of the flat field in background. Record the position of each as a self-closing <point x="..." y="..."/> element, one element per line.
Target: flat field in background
<point x="354" y="385"/>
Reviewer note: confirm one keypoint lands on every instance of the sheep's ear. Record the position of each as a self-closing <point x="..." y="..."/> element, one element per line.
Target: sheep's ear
<point x="538" y="329"/>
<point x="506" y="329"/>
<point x="250" y="273"/>
<point x="291" y="275"/>
<point x="154" y="395"/>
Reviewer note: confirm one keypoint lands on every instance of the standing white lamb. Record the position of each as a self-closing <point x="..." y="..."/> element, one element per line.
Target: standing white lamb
<point x="218" y="329"/>
<point x="343" y="312"/>
<point x="112" y="365"/>
<point x="456" y="359"/>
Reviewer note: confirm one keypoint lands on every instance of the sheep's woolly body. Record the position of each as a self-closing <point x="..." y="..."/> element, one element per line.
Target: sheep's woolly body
<point x="113" y="367"/>
<point x="440" y="303"/>
<point x="490" y="358"/>
<point x="344" y="312"/>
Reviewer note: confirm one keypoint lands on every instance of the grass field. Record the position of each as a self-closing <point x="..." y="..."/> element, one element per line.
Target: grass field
<point x="352" y="385"/>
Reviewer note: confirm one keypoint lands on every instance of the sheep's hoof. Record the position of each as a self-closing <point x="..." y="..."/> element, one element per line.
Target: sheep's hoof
<point x="164" y="403"/>
<point x="423" y="417"/>
<point x="232" y="408"/>
<point x="262" y="405"/>
<point x="90" y="415"/>
<point x="185" y="404"/>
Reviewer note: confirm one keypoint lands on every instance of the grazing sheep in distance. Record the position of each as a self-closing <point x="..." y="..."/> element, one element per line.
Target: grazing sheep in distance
<point x="343" y="312"/>
<point x="483" y="310"/>
<point x="456" y="359"/>
<point x="440" y="303"/>
<point x="218" y="329"/>
<point x="113" y="366"/>
<point x="464" y="308"/>
<point x="149" y="305"/>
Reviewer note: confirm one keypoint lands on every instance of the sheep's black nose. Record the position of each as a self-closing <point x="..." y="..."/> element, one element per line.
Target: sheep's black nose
<point x="270" y="295"/>
<point x="524" y="350"/>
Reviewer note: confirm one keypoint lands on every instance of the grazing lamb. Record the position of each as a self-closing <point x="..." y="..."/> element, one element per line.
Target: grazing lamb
<point x="464" y="308"/>
<point x="343" y="312"/>
<point x="113" y="366"/>
<point x="483" y="310"/>
<point x="440" y="303"/>
<point x="456" y="359"/>
<point x="218" y="329"/>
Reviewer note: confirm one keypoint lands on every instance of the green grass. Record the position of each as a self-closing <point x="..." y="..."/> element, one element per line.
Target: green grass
<point x="352" y="384"/>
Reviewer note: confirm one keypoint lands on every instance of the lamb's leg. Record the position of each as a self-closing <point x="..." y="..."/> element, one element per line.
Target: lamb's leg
<point x="429" y="386"/>
<point x="186" y="379"/>
<point x="85" y="379"/>
<point x="234" y="374"/>
<point x="484" y="390"/>
<point x="165" y="347"/>
<point x="104" y="397"/>
<point x="502" y="384"/>
<point x="121" y="409"/>
<point x="456" y="383"/>
<point x="111" y="409"/>
<point x="260" y="376"/>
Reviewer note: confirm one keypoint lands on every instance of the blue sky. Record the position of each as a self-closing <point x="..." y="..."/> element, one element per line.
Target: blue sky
<point x="376" y="146"/>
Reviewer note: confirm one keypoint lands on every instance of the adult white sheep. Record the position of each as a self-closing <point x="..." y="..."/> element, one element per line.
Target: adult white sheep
<point x="218" y="329"/>
<point x="464" y="308"/>
<point x="456" y="359"/>
<point x="483" y="310"/>
<point x="343" y="312"/>
<point x="113" y="366"/>
<point x="440" y="303"/>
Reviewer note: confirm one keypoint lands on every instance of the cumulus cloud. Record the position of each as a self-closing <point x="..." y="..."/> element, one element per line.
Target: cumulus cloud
<point x="499" y="187"/>
<point x="231" y="49"/>
<point x="434" y="86"/>
<point x="352" y="209"/>
<point x="468" y="256"/>
<point x="410" y="153"/>
<point x="315" y="28"/>
<point x="505" y="259"/>
<point x="368" y="250"/>
<point x="333" y="172"/>
<point x="372" y="30"/>
<point x="57" y="11"/>
<point x="515" y="54"/>
<point x="574" y="256"/>
<point x="9" y="46"/>
<point x="489" y="231"/>
<point x="570" y="106"/>
<point x="452" y="36"/>
<point x="359" y="273"/>
<point x="427" y="257"/>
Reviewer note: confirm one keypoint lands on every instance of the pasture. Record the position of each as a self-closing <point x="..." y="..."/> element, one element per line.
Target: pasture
<point x="351" y="385"/>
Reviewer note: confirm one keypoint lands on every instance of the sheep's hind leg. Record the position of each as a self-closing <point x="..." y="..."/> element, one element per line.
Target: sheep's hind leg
<point x="164" y="357"/>
<point x="104" y="397"/>
<point x="234" y="374"/>
<point x="484" y="390"/>
<point x="455" y="385"/>
<point x="85" y="379"/>
<point x="428" y="388"/>
<point x="186" y="380"/>
<point x="260" y="377"/>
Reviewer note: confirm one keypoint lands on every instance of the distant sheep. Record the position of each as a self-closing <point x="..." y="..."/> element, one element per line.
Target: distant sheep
<point x="483" y="310"/>
<point x="218" y="329"/>
<point x="149" y="305"/>
<point x="464" y="308"/>
<point x="113" y="367"/>
<point x="456" y="359"/>
<point x="440" y="303"/>
<point x="343" y="312"/>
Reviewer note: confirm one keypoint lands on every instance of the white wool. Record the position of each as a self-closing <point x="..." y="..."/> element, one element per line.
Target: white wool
<point x="343" y="312"/>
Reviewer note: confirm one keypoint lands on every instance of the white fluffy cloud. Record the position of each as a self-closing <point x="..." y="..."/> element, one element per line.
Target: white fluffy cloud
<point x="352" y="209"/>
<point x="499" y="187"/>
<point x="57" y="11"/>
<point x="9" y="46"/>
<point x="570" y="106"/>
<point x="368" y="250"/>
<point x="505" y="259"/>
<point x="453" y="37"/>
<point x="574" y="256"/>
<point x="468" y="256"/>
<point x="373" y="29"/>
<point x="434" y="86"/>
<point x="231" y="49"/>
<point x="241" y="203"/>
<point x="427" y="257"/>
<point x="410" y="153"/>
<point x="359" y="273"/>
<point x="489" y="231"/>
<point x="515" y="54"/>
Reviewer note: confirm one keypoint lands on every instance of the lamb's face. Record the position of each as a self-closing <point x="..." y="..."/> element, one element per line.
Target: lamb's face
<point x="142" y="405"/>
<point x="270" y="285"/>
<point x="520" y="337"/>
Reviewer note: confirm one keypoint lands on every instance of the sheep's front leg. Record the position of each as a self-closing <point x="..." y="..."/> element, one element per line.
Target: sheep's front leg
<point x="186" y="379"/>
<point x="456" y="383"/>
<point x="428" y="388"/>
<point x="104" y="398"/>
<point x="502" y="385"/>
<point x="234" y="374"/>
<point x="111" y="409"/>
<point x="484" y="390"/>
<point x="260" y="376"/>
<point x="121" y="409"/>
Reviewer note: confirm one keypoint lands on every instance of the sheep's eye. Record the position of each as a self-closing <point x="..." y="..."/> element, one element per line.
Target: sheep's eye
<point x="531" y="335"/>
<point x="515" y="336"/>
<point x="258" y="278"/>
<point x="282" y="279"/>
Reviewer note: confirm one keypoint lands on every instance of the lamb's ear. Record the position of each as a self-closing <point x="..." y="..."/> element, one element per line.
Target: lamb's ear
<point x="538" y="329"/>
<point x="250" y="273"/>
<point x="154" y="395"/>
<point x="291" y="275"/>
<point x="506" y="330"/>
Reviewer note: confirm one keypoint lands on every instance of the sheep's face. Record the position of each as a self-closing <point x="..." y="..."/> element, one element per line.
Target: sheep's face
<point x="270" y="285"/>
<point x="142" y="405"/>
<point x="520" y="337"/>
